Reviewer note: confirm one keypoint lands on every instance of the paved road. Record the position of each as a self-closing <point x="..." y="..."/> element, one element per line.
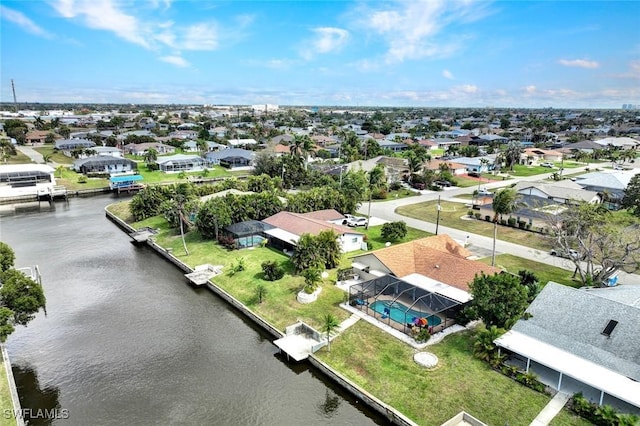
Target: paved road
<point x="478" y="244"/>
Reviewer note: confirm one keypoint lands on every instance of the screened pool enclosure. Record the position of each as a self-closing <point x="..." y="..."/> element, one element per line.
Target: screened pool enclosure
<point x="250" y="233"/>
<point x="404" y="306"/>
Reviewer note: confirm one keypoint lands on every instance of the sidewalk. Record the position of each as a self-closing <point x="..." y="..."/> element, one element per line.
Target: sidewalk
<point x="551" y="409"/>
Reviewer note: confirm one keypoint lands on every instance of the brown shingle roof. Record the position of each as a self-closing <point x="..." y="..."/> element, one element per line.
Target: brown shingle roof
<point x="325" y="215"/>
<point x="438" y="257"/>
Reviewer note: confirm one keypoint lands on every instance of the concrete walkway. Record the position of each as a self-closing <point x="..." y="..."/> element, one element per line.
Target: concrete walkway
<point x="551" y="409"/>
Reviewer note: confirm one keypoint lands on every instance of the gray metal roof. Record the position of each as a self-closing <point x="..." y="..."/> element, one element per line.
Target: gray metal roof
<point x="573" y="320"/>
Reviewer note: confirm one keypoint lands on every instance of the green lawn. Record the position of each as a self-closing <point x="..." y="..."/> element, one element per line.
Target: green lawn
<point x="400" y="193"/>
<point x="544" y="272"/>
<point x="157" y="176"/>
<point x="19" y="158"/>
<point x="70" y="180"/>
<point x="56" y="156"/>
<point x="377" y="242"/>
<point x="384" y="366"/>
<point x="451" y="214"/>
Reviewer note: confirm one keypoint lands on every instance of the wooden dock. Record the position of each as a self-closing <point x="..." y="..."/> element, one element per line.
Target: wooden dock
<point x="203" y="273"/>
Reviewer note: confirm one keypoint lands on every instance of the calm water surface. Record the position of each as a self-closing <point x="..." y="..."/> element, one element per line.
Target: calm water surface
<point x="127" y="341"/>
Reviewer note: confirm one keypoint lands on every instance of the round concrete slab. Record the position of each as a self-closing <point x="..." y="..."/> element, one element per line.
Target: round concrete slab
<point x="426" y="359"/>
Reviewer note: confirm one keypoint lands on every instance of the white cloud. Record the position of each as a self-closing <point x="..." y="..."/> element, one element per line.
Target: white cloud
<point x="199" y="37"/>
<point x="175" y="60"/>
<point x="326" y="40"/>
<point x="530" y="89"/>
<point x="467" y="88"/>
<point x="413" y="29"/>
<point x="580" y="63"/>
<point x="447" y="74"/>
<point x="104" y="15"/>
<point x="23" y="21"/>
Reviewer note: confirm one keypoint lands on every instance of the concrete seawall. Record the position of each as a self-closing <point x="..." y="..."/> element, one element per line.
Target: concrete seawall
<point x="386" y="410"/>
<point x="12" y="387"/>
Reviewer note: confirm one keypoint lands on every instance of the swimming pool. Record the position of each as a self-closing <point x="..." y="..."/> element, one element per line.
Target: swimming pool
<point x="251" y="241"/>
<point x="402" y="314"/>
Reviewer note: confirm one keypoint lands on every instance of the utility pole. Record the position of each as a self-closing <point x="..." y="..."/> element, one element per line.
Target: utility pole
<point x="438" y="216"/>
<point x="15" y="100"/>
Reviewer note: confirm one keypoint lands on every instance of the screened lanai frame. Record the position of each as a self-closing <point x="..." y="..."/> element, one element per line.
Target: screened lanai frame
<point x="249" y="233"/>
<point x="103" y="163"/>
<point x="24" y="176"/>
<point x="394" y="292"/>
<point x="182" y="164"/>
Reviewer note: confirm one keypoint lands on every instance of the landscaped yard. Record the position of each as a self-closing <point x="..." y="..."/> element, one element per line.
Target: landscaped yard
<point x="19" y="158"/>
<point x="55" y="156"/>
<point x="400" y="193"/>
<point x="451" y="215"/>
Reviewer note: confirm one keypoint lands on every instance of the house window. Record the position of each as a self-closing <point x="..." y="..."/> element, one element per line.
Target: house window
<point x="354" y="240"/>
<point x="609" y="328"/>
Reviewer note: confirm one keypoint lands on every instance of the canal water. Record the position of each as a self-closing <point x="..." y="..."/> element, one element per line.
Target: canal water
<point x="126" y="341"/>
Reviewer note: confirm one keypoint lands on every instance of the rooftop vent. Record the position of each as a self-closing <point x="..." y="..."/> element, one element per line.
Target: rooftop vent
<point x="609" y="328"/>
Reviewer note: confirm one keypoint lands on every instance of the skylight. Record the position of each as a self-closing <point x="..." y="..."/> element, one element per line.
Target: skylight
<point x="609" y="328"/>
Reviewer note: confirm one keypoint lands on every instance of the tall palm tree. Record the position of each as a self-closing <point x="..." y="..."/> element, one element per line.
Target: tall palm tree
<point x="300" y="147"/>
<point x="376" y="180"/>
<point x="330" y="324"/>
<point x="505" y="201"/>
<point x="150" y="156"/>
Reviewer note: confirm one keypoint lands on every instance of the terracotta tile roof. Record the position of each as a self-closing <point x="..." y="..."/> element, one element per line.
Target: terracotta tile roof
<point x="279" y="148"/>
<point x="435" y="165"/>
<point x="325" y="215"/>
<point x="438" y="257"/>
<point x="298" y="224"/>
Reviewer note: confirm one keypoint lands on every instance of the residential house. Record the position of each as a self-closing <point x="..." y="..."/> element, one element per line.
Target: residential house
<point x="36" y="137"/>
<point x="534" y="156"/>
<point x="67" y="146"/>
<point x="564" y="191"/>
<point x="475" y="164"/>
<point x="232" y="158"/>
<point x="288" y="227"/>
<point x="392" y="146"/>
<point x="142" y="148"/>
<point x="620" y="143"/>
<point x="586" y="146"/>
<point x="236" y="143"/>
<point x="394" y="167"/>
<point x="440" y="258"/>
<point x="104" y="164"/>
<point x="181" y="163"/>
<point x="456" y="168"/>
<point x="610" y="184"/>
<point x="576" y="340"/>
<point x="107" y="150"/>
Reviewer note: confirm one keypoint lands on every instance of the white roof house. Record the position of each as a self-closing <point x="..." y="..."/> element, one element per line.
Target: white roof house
<point x="591" y="343"/>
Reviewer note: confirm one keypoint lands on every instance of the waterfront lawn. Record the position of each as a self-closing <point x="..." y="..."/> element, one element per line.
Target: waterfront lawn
<point x="544" y="272"/>
<point x="156" y="176"/>
<point x="6" y="404"/>
<point x="280" y="306"/>
<point x="70" y="180"/>
<point x="376" y="241"/>
<point x="451" y="214"/>
<point x="384" y="366"/>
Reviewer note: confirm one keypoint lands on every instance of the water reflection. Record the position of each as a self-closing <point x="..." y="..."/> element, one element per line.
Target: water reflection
<point x="35" y="398"/>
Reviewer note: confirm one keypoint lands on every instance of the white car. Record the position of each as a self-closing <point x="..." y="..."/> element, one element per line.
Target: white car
<point x="357" y="221"/>
<point x="484" y="191"/>
<point x="569" y="254"/>
<point x="549" y="165"/>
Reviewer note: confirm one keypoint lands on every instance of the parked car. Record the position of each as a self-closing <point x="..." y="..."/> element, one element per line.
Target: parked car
<point x="547" y="164"/>
<point x="357" y="221"/>
<point x="473" y="174"/>
<point x="418" y="185"/>
<point x="443" y="183"/>
<point x="484" y="191"/>
<point x="569" y="254"/>
<point x="347" y="218"/>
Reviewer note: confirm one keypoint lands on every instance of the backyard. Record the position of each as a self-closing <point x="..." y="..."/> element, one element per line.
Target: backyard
<point x="544" y="272"/>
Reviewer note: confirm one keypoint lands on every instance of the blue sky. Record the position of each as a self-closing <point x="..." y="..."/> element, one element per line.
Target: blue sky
<point x="435" y="53"/>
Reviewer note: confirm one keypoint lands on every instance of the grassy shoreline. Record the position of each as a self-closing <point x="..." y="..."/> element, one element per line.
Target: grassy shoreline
<point x="377" y="362"/>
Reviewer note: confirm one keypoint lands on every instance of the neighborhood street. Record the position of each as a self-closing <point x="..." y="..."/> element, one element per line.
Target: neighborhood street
<point x="478" y="244"/>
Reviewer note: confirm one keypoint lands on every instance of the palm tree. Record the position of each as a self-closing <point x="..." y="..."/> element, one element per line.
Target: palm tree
<point x="180" y="200"/>
<point x="483" y="347"/>
<point x="376" y="179"/>
<point x="512" y="153"/>
<point x="202" y="146"/>
<point x="300" y="147"/>
<point x="150" y="156"/>
<point x="261" y="292"/>
<point x="415" y="165"/>
<point x="505" y="201"/>
<point x="330" y="324"/>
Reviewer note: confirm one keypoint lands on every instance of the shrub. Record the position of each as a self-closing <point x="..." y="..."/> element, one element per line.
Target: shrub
<point x="392" y="231"/>
<point x="503" y="222"/>
<point x="272" y="270"/>
<point x="487" y="218"/>
<point x="470" y="213"/>
<point x="82" y="179"/>
<point x="478" y="216"/>
<point x="227" y="242"/>
<point x="423" y="336"/>
<point x="379" y="194"/>
<point x="522" y="224"/>
<point x="511" y="221"/>
<point x="528" y="227"/>
<point x="395" y="186"/>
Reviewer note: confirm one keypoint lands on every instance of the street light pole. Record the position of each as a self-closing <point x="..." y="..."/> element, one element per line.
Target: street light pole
<point x="438" y="216"/>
